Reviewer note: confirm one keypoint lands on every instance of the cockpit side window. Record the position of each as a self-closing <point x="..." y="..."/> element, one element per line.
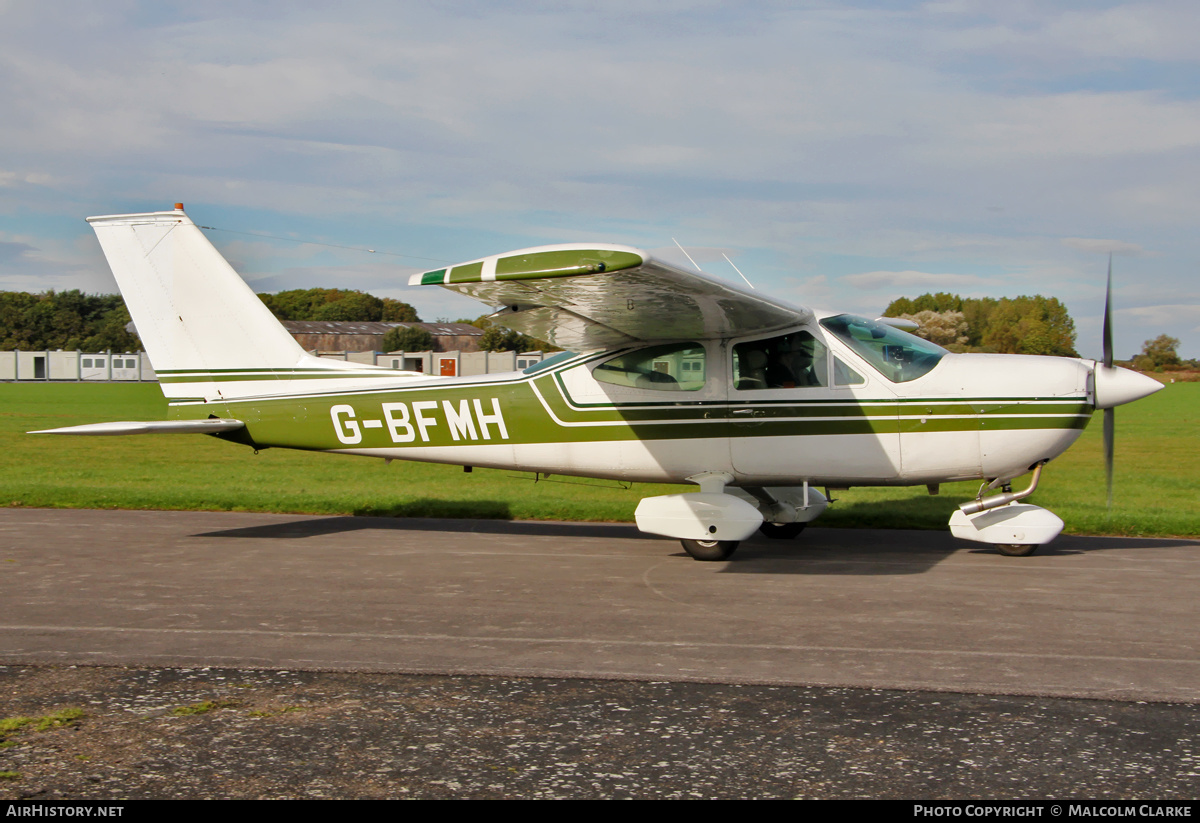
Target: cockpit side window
<point x="843" y="375"/>
<point x="790" y="361"/>
<point x="672" y="367"/>
<point x="897" y="355"/>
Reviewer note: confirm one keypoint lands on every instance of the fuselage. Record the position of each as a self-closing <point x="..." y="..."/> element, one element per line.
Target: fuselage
<point x="775" y="409"/>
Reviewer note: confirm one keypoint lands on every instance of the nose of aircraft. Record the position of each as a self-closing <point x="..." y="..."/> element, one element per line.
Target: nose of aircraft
<point x="1114" y="386"/>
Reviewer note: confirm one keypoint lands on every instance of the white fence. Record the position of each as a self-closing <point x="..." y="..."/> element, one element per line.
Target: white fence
<point x="76" y="365"/>
<point x="448" y="363"/>
<point x="135" y="367"/>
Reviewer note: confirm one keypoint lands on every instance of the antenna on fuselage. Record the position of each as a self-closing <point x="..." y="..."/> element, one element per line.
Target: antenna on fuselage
<point x="736" y="269"/>
<point x="685" y="254"/>
<point x="723" y="254"/>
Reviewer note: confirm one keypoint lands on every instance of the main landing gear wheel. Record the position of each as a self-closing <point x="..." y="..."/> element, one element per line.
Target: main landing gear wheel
<point x="1016" y="549"/>
<point x="709" y="549"/>
<point x="781" y="531"/>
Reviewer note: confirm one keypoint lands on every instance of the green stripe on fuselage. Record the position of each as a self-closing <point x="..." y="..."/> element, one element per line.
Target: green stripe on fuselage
<point x="430" y="415"/>
<point x="279" y="374"/>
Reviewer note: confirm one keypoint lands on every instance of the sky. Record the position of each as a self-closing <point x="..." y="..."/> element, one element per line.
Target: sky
<point x="842" y="154"/>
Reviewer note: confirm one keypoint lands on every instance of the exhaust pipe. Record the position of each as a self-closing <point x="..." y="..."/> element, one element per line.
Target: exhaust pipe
<point x="980" y="504"/>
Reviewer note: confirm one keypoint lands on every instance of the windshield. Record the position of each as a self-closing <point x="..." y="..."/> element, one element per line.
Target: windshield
<point x="899" y="356"/>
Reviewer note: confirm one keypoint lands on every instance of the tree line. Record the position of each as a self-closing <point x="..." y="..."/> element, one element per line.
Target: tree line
<point x="1007" y="325"/>
<point x="1016" y="325"/>
<point x="341" y="304"/>
<point x="64" y="320"/>
<point x="337" y="304"/>
<point x="97" y="322"/>
<point x="1160" y="354"/>
<point x="495" y="338"/>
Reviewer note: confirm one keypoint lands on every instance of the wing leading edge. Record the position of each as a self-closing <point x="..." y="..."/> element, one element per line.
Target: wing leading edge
<point x="601" y="296"/>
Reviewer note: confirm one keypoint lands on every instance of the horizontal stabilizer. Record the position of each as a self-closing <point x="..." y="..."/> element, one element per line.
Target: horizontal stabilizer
<point x="211" y="426"/>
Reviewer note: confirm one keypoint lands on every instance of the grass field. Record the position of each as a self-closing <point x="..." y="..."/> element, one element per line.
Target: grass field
<point x="1157" y="475"/>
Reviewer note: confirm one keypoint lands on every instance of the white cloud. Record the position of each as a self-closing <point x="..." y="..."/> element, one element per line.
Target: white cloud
<point x="993" y="140"/>
<point x="1097" y="245"/>
<point x="1163" y="315"/>
<point x="1145" y="31"/>
<point x="814" y="292"/>
<point x="16" y="178"/>
<point x="912" y="279"/>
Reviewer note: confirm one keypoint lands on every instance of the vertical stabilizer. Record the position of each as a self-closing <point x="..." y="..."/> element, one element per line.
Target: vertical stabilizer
<point x="192" y="310"/>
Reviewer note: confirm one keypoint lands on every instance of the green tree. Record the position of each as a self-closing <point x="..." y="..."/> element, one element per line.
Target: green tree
<point x="337" y="304"/>
<point x="940" y="302"/>
<point x="396" y="311"/>
<point x="110" y="333"/>
<point x="13" y="331"/>
<point x="1157" y="354"/>
<point x="64" y="320"/>
<point x="355" y="305"/>
<point x="407" y="338"/>
<point x="1031" y="325"/>
<point x="499" y="338"/>
<point x="977" y="311"/>
<point x="900" y="307"/>
<point x="1019" y="325"/>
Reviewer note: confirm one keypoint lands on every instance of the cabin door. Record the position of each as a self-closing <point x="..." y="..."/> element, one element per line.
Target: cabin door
<point x="800" y="409"/>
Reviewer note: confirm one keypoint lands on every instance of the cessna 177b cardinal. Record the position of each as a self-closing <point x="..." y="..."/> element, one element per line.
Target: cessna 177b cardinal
<point x="670" y="376"/>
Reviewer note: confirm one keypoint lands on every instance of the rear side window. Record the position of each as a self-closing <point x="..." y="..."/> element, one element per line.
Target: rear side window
<point x="673" y="367"/>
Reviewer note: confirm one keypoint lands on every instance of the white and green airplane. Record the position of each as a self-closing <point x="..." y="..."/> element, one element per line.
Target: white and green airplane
<point x="670" y="376"/>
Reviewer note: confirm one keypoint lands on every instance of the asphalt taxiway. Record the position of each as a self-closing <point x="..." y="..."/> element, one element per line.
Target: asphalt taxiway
<point x="1109" y="618"/>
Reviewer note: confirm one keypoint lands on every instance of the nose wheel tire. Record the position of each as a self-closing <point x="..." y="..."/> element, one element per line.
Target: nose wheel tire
<point x="709" y="549"/>
<point x="1016" y="549"/>
<point x="781" y="531"/>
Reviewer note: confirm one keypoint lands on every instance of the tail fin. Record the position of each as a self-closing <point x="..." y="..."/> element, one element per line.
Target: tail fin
<point x="204" y="329"/>
<point x="191" y="309"/>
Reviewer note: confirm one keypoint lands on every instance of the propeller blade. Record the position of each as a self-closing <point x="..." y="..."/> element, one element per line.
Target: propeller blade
<point x="1108" y="343"/>
<point x="1110" y="414"/>
<point x="1110" y="421"/>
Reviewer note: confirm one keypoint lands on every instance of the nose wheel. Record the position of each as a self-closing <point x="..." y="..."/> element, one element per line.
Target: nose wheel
<point x="1016" y="549"/>
<point x="781" y="531"/>
<point x="710" y="549"/>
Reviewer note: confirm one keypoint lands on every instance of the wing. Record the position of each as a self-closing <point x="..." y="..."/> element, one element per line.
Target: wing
<point x="601" y="296"/>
